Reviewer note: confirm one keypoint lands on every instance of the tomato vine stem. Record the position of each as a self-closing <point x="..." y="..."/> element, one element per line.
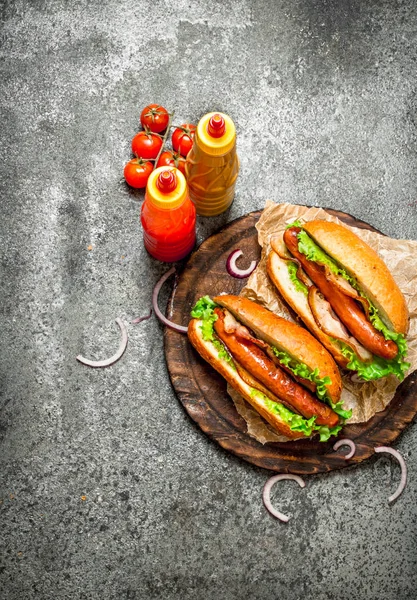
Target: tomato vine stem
<point x="164" y="139"/>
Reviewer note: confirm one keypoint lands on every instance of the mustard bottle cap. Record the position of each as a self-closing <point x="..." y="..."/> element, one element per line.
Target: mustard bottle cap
<point x="166" y="188"/>
<point x="216" y="126"/>
<point x="216" y="134"/>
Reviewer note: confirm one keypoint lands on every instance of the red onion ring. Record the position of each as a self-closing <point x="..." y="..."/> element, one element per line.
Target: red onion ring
<point x="403" y="466"/>
<point x="158" y="313"/>
<point x="233" y="270"/>
<point x="266" y="495"/>
<point x="346" y="442"/>
<point x="109" y="361"/>
<point x="140" y="319"/>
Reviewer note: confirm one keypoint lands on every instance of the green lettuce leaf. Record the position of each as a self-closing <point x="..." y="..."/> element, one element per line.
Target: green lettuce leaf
<point x="204" y="310"/>
<point x="297" y="422"/>
<point x="338" y="409"/>
<point x="379" y="367"/>
<point x="223" y="353"/>
<point x="313" y="252"/>
<point x="295" y="224"/>
<point x="292" y="270"/>
<point x="321" y="383"/>
<point x="302" y="370"/>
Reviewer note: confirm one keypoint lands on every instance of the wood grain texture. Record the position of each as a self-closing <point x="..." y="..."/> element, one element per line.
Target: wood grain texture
<point x="202" y="392"/>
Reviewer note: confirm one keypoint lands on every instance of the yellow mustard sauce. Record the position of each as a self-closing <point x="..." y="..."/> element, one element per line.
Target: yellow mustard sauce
<point x="212" y="165"/>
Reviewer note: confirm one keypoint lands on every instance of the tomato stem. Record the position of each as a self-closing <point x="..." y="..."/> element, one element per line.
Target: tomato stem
<point x="151" y="133"/>
<point x="164" y="139"/>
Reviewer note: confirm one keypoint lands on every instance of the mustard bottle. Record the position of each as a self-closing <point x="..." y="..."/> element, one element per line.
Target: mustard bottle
<point x="212" y="165"/>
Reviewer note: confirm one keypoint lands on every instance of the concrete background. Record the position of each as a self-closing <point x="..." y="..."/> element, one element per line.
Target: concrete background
<point x="108" y="489"/>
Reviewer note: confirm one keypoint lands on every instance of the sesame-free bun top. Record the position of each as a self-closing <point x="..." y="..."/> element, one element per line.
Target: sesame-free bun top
<point x="284" y="335"/>
<point x="366" y="266"/>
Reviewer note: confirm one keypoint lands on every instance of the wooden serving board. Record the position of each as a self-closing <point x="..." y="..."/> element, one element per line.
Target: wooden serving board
<point x="202" y="392"/>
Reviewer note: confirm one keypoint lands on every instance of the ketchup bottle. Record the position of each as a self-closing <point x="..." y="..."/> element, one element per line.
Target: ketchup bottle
<point x="212" y="165"/>
<point x="168" y="216"/>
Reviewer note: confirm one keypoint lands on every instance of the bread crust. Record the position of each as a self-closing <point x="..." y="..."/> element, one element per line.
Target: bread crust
<point x="370" y="271"/>
<point x="208" y="351"/>
<point x="299" y="303"/>
<point x="284" y="335"/>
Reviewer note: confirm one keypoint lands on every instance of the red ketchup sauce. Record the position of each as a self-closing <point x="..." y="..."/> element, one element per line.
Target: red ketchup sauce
<point x="168" y="216"/>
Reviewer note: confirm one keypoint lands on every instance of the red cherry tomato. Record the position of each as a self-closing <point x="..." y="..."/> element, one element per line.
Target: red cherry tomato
<point x="155" y="118"/>
<point x="137" y="171"/>
<point x="146" y="144"/>
<point x="182" y="138"/>
<point x="172" y="159"/>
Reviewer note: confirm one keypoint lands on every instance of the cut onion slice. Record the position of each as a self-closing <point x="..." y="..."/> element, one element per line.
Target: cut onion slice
<point x="346" y="442"/>
<point x="109" y="361"/>
<point x="266" y="496"/>
<point x="403" y="466"/>
<point x="233" y="270"/>
<point x="158" y="313"/>
<point x="140" y="319"/>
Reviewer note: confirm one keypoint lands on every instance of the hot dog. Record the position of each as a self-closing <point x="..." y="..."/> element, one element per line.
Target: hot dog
<point x="345" y="295"/>
<point x="276" y="365"/>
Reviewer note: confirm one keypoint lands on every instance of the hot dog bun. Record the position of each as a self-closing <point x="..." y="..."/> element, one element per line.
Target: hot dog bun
<point x="345" y="294"/>
<point x="210" y="353"/>
<point x="370" y="271"/>
<point x="284" y="335"/>
<point x="278" y="273"/>
<point x="272" y="333"/>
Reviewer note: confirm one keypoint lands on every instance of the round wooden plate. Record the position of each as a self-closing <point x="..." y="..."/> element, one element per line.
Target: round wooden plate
<point x="203" y="393"/>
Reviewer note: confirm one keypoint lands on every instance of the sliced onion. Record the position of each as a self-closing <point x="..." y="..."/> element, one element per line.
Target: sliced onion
<point x="346" y="442"/>
<point x="158" y="313"/>
<point x="140" y="319"/>
<point x="266" y="495"/>
<point x="403" y="466"/>
<point x="109" y="361"/>
<point x="233" y="270"/>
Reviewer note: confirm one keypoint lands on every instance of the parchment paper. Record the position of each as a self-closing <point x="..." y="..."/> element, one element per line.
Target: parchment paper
<point x="365" y="399"/>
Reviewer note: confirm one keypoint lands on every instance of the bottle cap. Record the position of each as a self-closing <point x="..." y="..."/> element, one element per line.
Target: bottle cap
<point x="166" y="181"/>
<point x="216" y="126"/>
<point x="208" y="130"/>
<point x="166" y="188"/>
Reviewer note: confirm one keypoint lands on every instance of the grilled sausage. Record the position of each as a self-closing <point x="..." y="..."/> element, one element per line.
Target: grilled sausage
<point x="347" y="309"/>
<point x="254" y="360"/>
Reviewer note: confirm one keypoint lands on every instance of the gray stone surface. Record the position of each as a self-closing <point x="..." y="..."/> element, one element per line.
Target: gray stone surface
<point x="108" y="490"/>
